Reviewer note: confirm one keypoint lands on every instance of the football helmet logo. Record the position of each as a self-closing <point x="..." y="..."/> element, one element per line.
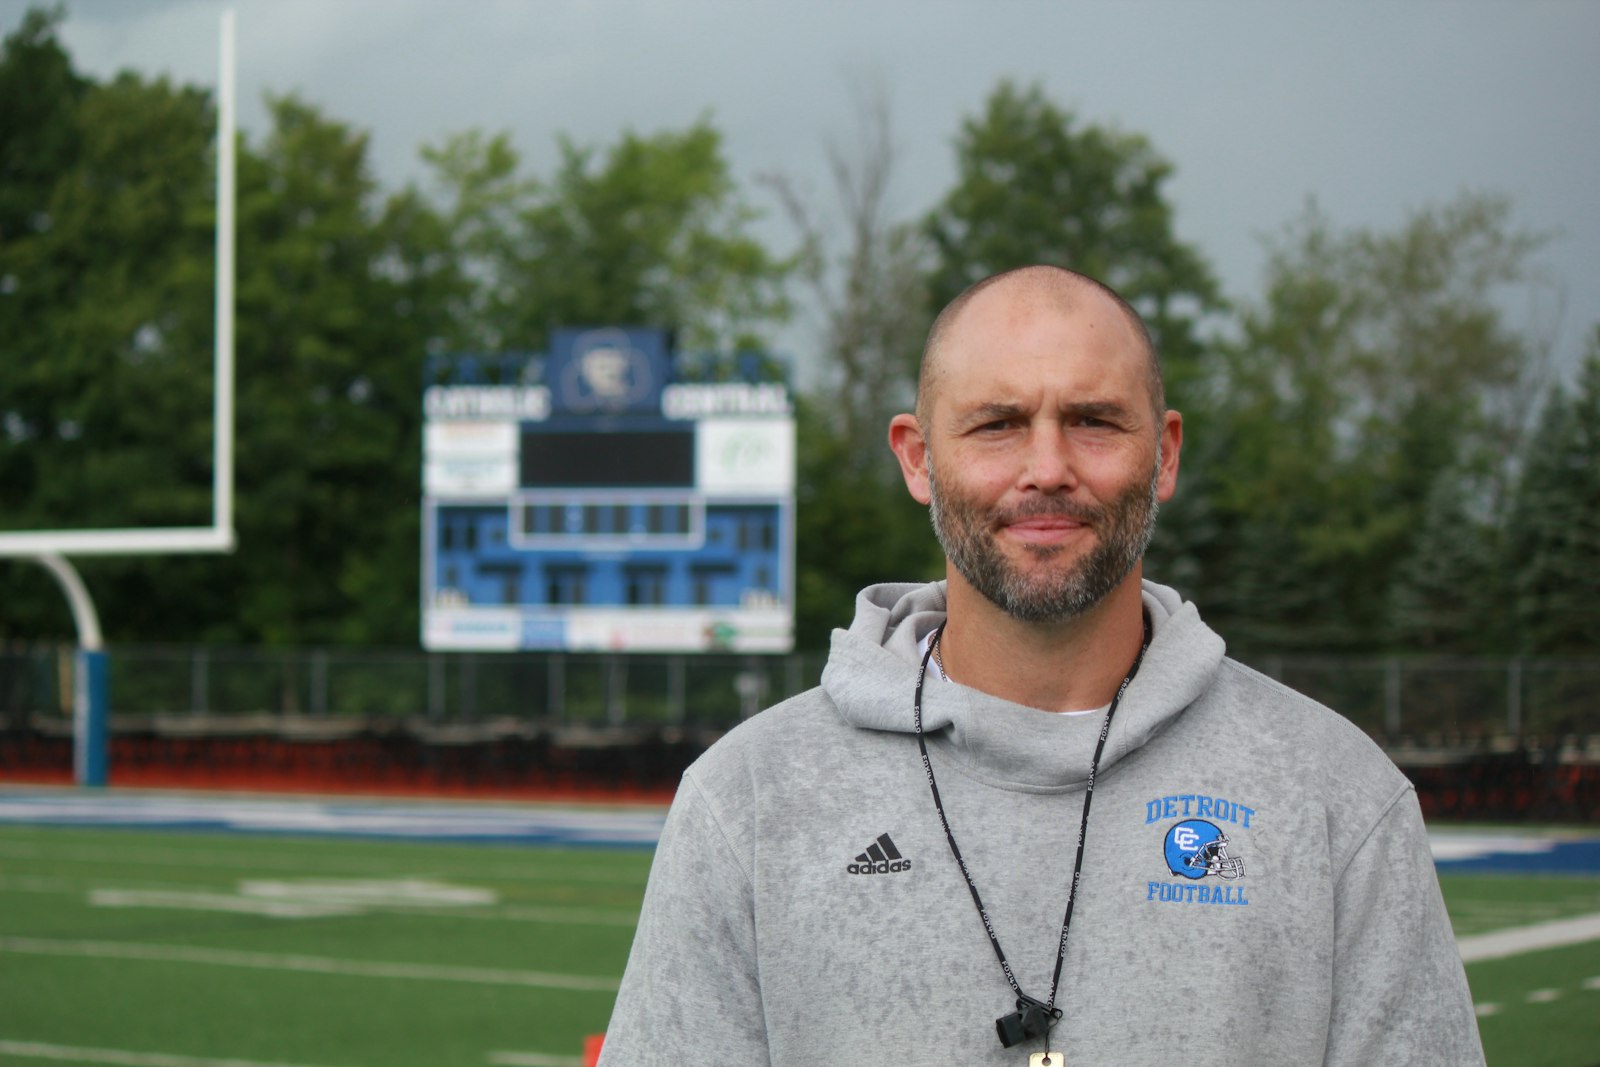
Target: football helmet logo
<point x="1196" y="848"/>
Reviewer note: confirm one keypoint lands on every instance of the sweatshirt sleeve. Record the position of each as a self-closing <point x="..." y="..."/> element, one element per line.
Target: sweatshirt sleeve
<point x="691" y="993"/>
<point x="1399" y="991"/>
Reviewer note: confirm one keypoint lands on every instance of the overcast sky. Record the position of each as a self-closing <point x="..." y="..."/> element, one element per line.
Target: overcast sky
<point x="1374" y="109"/>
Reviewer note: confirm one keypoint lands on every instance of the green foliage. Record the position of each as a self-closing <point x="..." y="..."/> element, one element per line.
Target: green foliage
<point x="107" y="380"/>
<point x="95" y="316"/>
<point x="1034" y="185"/>
<point x="104" y="303"/>
<point x="329" y="435"/>
<point x="107" y="214"/>
<point x="650" y="231"/>
<point x="39" y="94"/>
<point x="856" y="525"/>
<point x="866" y="271"/>
<point x="1450" y="593"/>
<point x="1353" y="474"/>
<point x="851" y="530"/>
<point x="1555" y="526"/>
<point x="1375" y="375"/>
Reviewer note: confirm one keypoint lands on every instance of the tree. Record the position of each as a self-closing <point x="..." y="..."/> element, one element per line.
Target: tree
<point x="39" y="94"/>
<point x="1555" y="527"/>
<point x="866" y="272"/>
<point x="329" y="420"/>
<point x="1377" y="367"/>
<point x="851" y="529"/>
<point x="104" y="303"/>
<point x="108" y="406"/>
<point x="1035" y="186"/>
<point x="652" y="231"/>
<point x="107" y="219"/>
<point x="1450" y="591"/>
<point x="478" y="236"/>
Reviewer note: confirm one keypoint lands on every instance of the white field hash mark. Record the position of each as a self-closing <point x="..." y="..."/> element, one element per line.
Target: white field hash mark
<point x="1519" y="939"/>
<point x="35" y="1050"/>
<point x="304" y="899"/>
<point x="286" y="900"/>
<point x="200" y="901"/>
<point x="309" y="964"/>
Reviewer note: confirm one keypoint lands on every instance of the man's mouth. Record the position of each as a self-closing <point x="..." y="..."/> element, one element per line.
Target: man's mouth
<point x="1047" y="529"/>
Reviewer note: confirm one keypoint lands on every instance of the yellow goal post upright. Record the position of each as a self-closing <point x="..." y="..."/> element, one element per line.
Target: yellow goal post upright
<point x="51" y="548"/>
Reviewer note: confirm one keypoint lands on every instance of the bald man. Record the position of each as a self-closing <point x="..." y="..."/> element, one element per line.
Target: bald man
<point x="1033" y="814"/>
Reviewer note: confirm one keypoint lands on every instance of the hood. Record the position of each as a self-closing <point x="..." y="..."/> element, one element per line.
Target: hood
<point x="872" y="673"/>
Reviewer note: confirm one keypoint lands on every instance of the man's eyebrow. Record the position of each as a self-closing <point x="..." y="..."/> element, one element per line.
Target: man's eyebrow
<point x="1098" y="409"/>
<point x="989" y="411"/>
<point x="992" y="411"/>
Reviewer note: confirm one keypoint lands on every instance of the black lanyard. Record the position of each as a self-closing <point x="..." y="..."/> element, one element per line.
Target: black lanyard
<point x="1032" y="1018"/>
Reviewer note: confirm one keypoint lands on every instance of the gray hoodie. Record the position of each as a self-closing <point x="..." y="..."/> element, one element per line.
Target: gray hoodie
<point x="1256" y="888"/>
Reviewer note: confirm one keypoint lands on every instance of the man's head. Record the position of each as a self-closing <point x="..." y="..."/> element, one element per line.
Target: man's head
<point x="1041" y="442"/>
<point x="1044" y="283"/>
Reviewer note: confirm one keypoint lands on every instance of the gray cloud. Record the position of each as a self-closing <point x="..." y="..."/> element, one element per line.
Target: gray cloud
<point x="1374" y="110"/>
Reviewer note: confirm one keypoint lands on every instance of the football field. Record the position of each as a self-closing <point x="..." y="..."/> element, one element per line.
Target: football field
<point x="210" y="932"/>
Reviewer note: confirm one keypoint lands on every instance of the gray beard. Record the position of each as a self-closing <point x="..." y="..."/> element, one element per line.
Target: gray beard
<point x="1122" y="531"/>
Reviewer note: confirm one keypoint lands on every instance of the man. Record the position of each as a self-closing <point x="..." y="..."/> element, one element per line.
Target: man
<point x="883" y="869"/>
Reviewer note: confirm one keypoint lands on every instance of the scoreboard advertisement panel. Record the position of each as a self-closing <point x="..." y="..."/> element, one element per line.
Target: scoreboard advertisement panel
<point x="598" y="503"/>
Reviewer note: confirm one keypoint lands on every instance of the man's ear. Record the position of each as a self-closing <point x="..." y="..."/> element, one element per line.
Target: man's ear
<point x="1171" y="447"/>
<point x="911" y="449"/>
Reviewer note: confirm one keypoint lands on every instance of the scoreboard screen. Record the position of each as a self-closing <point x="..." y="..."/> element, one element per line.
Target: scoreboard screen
<point x="574" y="458"/>
<point x="600" y="501"/>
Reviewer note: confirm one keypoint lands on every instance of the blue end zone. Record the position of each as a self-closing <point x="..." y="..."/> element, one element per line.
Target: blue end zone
<point x="408" y="821"/>
<point x="1559" y="856"/>
<point x="1455" y="851"/>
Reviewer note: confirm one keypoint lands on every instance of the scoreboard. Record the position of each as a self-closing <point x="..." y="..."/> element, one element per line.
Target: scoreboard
<point x="602" y="499"/>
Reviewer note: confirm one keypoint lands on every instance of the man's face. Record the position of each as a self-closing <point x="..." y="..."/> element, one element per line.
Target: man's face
<point x="1044" y="459"/>
<point x="1053" y="584"/>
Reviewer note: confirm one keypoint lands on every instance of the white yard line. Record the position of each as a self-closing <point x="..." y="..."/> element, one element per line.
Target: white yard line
<point x="1519" y="939"/>
<point x="533" y="1059"/>
<point x="36" y="1050"/>
<point x="311" y="964"/>
<point x="176" y="895"/>
<point x="558" y="915"/>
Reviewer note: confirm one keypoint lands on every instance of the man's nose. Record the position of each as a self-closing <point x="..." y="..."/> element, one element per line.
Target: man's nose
<point x="1049" y="465"/>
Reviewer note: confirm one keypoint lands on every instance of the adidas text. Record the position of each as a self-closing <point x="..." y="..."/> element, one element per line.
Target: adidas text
<point x="881" y="867"/>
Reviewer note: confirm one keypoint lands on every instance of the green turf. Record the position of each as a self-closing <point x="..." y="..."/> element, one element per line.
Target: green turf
<point x="570" y="912"/>
<point x="1482" y="902"/>
<point x="247" y="986"/>
<point x="1560" y="1027"/>
<point x="1562" y="1031"/>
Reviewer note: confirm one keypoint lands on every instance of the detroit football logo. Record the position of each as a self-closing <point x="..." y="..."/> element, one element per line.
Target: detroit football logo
<point x="1196" y="848"/>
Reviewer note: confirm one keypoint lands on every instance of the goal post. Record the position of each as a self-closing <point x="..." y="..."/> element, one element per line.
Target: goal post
<point x="50" y="548"/>
<point x="219" y="536"/>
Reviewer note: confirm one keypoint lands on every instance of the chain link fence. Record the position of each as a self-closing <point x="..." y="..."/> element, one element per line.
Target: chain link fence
<point x="1449" y="701"/>
<point x="1446" y="701"/>
<point x="333" y="685"/>
<point x="1485" y="739"/>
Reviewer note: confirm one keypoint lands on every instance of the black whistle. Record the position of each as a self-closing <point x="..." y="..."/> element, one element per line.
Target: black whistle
<point x="1031" y="1019"/>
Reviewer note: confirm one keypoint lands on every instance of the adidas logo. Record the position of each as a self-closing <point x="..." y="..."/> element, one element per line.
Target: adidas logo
<point x="881" y="857"/>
